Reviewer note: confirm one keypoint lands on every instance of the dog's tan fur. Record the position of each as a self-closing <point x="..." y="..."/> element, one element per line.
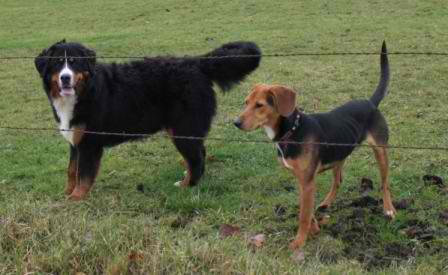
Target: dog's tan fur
<point x="307" y="165"/>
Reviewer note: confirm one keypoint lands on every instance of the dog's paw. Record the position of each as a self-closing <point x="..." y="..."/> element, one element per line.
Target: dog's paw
<point x="181" y="184"/>
<point x="390" y="214"/>
<point x="68" y="190"/>
<point x="74" y="197"/>
<point x="69" y="187"/>
<point x="294" y="245"/>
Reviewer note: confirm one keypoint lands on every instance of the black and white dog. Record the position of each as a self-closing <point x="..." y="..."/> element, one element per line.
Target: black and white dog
<point x="140" y="97"/>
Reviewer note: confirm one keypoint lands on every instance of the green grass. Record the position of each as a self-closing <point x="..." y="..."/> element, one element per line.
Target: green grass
<point x="41" y="232"/>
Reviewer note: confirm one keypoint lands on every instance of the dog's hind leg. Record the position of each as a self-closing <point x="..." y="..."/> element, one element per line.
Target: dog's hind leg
<point x="337" y="179"/>
<point x="377" y="137"/>
<point x="193" y="151"/>
<point x="383" y="163"/>
<point x="188" y="131"/>
<point x="88" y="164"/>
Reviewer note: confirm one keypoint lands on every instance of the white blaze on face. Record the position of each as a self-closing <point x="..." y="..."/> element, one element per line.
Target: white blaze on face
<point x="66" y="72"/>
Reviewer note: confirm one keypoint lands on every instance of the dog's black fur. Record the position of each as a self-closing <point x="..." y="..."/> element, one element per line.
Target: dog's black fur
<point x="346" y="124"/>
<point x="144" y="97"/>
<point x="300" y="140"/>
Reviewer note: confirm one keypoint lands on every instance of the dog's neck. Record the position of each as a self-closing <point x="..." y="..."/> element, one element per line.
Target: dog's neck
<point x="283" y="127"/>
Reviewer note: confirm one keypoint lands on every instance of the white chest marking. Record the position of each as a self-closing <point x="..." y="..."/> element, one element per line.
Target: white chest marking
<point x="271" y="134"/>
<point x="283" y="157"/>
<point x="64" y="108"/>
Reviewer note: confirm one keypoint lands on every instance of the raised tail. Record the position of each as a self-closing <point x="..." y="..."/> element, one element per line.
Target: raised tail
<point x="381" y="89"/>
<point x="230" y="63"/>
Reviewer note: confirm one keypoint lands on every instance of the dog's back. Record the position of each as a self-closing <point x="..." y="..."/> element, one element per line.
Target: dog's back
<point x="352" y="122"/>
<point x="347" y="124"/>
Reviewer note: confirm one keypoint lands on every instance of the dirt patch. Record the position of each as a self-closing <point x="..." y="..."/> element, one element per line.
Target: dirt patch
<point x="366" y="186"/>
<point x="360" y="233"/>
<point x="140" y="188"/>
<point x="289" y="187"/>
<point x="433" y="180"/>
<point x="419" y="230"/>
<point x="403" y="204"/>
<point x="443" y="216"/>
<point x="365" y="201"/>
<point x="181" y="222"/>
<point x="228" y="230"/>
<point x="280" y="211"/>
<point x="357" y="224"/>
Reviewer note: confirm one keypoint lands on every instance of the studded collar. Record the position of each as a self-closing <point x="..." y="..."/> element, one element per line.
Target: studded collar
<point x="296" y="115"/>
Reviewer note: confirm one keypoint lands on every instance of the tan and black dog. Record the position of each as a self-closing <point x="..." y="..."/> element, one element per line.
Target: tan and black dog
<point x="273" y="107"/>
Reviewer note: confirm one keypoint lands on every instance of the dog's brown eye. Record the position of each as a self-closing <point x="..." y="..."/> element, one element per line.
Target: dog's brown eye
<point x="61" y="60"/>
<point x="258" y="105"/>
<point x="71" y="60"/>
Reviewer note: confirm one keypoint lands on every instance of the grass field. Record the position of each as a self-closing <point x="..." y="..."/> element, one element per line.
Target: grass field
<point x="165" y="230"/>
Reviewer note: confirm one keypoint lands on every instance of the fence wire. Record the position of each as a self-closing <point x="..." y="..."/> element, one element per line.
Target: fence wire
<point x="233" y="140"/>
<point x="271" y="55"/>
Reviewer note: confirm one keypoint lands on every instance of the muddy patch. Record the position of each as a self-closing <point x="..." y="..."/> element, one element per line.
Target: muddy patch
<point x="433" y="180"/>
<point x="369" y="238"/>
<point x="358" y="227"/>
<point x="280" y="211"/>
<point x="366" y="186"/>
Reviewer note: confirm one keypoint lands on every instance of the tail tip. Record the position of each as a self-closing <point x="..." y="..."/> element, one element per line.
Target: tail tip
<point x="384" y="48"/>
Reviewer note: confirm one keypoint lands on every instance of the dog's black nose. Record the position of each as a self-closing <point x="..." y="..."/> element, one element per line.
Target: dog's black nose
<point x="65" y="79"/>
<point x="237" y="123"/>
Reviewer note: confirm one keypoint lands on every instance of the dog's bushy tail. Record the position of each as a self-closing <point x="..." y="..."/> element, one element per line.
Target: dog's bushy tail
<point x="230" y="63"/>
<point x="381" y="89"/>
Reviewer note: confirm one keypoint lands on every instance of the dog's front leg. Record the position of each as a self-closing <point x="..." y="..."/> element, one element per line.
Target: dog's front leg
<point x="88" y="164"/>
<point x="305" y="169"/>
<point x="72" y="175"/>
<point x="306" y="225"/>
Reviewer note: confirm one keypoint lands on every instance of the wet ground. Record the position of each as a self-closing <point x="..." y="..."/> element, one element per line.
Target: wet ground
<point x="359" y="224"/>
<point x="355" y="228"/>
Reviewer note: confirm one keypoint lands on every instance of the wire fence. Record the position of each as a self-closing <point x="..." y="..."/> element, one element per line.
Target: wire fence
<point x="271" y="55"/>
<point x="235" y="140"/>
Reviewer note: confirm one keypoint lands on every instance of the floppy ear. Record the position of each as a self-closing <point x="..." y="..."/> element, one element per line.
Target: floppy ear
<point x="41" y="62"/>
<point x="284" y="99"/>
<point x="91" y="60"/>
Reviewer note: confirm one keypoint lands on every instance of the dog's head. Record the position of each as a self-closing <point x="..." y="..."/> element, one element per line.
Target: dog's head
<point x="264" y="105"/>
<point x="66" y="68"/>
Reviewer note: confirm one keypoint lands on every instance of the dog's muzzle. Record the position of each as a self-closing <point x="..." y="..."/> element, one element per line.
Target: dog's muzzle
<point x="238" y="123"/>
<point x="66" y="81"/>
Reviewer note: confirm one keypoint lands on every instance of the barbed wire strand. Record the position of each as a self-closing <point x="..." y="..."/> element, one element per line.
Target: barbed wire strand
<point x="232" y="56"/>
<point x="234" y="140"/>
